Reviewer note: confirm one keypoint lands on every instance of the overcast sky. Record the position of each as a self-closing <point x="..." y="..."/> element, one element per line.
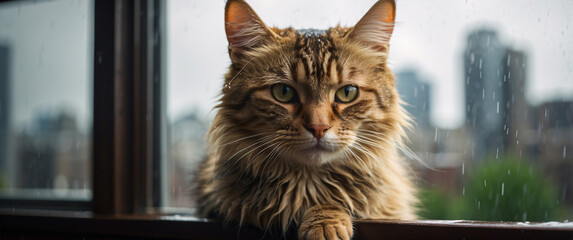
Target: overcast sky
<point x="430" y="36"/>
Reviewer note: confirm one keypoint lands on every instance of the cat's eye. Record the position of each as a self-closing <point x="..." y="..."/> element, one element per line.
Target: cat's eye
<point x="346" y="94"/>
<point x="283" y="93"/>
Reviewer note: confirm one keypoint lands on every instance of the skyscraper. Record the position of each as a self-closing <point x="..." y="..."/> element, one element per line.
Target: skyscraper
<point x="495" y="99"/>
<point x="416" y="95"/>
<point x="517" y="110"/>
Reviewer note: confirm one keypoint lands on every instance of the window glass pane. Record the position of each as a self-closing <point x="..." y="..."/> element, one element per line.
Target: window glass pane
<point x="194" y="78"/>
<point x="488" y="83"/>
<point x="46" y="99"/>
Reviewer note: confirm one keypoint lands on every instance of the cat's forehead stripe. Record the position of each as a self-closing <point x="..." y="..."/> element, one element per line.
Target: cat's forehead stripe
<point x="316" y="58"/>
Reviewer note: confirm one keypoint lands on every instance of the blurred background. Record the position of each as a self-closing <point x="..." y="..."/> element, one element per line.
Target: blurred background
<point x="489" y="83"/>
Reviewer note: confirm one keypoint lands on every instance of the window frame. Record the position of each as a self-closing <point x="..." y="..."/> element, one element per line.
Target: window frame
<point x="127" y="154"/>
<point x="72" y="225"/>
<point x="124" y="150"/>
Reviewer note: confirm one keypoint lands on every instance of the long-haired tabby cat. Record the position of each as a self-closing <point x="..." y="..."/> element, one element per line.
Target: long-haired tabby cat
<point x="308" y="128"/>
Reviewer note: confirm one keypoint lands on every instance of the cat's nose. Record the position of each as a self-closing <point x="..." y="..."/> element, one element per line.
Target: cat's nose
<point x="318" y="130"/>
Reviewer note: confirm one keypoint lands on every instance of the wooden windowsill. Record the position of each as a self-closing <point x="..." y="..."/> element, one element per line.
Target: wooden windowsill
<point x="63" y="225"/>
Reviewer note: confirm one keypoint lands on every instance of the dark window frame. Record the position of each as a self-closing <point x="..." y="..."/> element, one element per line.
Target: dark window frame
<point x="87" y="225"/>
<point x="127" y="153"/>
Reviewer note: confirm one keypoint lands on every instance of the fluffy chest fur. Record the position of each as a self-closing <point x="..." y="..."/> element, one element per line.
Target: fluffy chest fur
<point x="369" y="192"/>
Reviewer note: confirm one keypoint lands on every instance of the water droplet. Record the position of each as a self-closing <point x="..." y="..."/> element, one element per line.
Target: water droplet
<point x="502" y="188"/>
<point x="99" y="57"/>
<point x="564" y="151"/>
<point x="463" y="168"/>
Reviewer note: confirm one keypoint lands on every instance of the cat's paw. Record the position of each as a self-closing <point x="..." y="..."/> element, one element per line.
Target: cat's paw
<point x="325" y="223"/>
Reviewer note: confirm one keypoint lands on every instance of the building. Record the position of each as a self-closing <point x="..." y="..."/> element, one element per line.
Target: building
<point x="496" y="105"/>
<point x="53" y="154"/>
<point x="552" y="143"/>
<point x="517" y="111"/>
<point x="187" y="149"/>
<point x="416" y="94"/>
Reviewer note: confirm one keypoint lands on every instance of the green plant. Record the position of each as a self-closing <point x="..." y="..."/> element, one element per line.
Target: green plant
<point x="435" y="204"/>
<point x="509" y="189"/>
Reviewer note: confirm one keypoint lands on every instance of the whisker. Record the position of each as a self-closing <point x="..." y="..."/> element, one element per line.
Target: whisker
<point x="240" y="139"/>
<point x="348" y="152"/>
<point x="369" y="153"/>
<point x="271" y="157"/>
<point x="402" y="147"/>
<point x="253" y="159"/>
<point x="238" y="73"/>
<point x="238" y="152"/>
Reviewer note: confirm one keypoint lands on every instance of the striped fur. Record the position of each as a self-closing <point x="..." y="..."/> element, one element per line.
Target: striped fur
<point x="259" y="169"/>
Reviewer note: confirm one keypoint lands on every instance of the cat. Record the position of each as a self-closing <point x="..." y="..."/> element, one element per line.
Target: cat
<point x="308" y="128"/>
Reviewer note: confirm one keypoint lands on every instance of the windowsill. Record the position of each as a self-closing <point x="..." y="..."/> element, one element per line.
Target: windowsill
<point x="70" y="223"/>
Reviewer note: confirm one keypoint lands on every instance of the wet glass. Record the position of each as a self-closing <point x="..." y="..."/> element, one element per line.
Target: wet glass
<point x="46" y="50"/>
<point x="489" y="85"/>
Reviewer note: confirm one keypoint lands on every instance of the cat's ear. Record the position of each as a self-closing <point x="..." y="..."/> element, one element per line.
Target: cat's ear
<point x="375" y="28"/>
<point x="245" y="30"/>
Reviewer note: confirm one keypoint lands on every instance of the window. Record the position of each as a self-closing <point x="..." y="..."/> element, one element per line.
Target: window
<point x="45" y="100"/>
